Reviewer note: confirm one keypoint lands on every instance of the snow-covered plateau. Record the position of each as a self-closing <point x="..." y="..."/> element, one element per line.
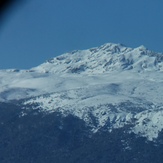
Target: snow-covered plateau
<point x="112" y="84"/>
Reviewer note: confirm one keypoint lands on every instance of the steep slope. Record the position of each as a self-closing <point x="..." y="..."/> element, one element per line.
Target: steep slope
<point x="117" y="99"/>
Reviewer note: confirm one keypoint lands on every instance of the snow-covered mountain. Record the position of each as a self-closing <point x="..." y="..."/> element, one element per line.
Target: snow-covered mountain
<point x="106" y="58"/>
<point x="109" y="86"/>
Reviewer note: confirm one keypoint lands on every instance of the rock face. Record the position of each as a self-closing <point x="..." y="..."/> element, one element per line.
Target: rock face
<point x="92" y="95"/>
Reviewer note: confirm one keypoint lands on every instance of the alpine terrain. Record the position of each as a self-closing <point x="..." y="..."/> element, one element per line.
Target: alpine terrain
<point x="102" y="105"/>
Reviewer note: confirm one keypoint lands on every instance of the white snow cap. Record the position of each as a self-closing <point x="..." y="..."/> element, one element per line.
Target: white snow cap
<point x="106" y="58"/>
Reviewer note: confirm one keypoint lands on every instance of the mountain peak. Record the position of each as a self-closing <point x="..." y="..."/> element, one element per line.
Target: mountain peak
<point x="142" y="48"/>
<point x="115" y="48"/>
<point x="103" y="59"/>
<point x="110" y="86"/>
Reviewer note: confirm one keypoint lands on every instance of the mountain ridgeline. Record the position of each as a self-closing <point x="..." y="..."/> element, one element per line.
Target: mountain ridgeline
<point x="106" y="58"/>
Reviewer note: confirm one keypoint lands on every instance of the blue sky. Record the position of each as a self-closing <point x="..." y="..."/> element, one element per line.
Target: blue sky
<point x="42" y="29"/>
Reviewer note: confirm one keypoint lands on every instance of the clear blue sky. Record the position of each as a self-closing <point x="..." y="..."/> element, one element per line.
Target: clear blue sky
<point x="42" y="29"/>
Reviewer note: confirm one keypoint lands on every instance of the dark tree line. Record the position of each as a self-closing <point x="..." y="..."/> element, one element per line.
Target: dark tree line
<point x="38" y="137"/>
